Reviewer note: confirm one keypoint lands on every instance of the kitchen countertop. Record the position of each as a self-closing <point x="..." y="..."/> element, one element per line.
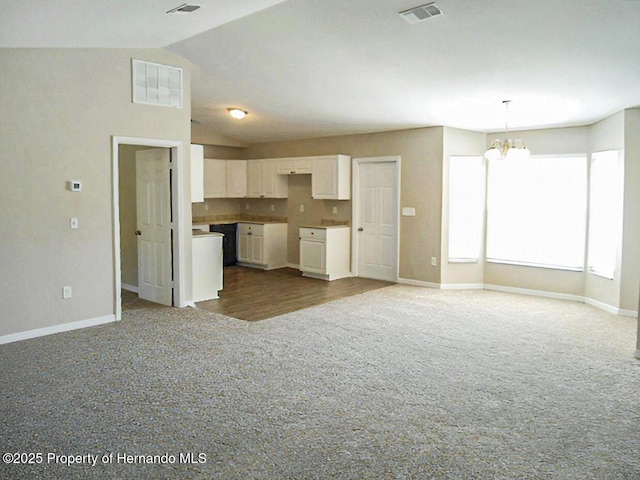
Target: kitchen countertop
<point x="200" y="233"/>
<point x="230" y="219"/>
<point x="325" y="227"/>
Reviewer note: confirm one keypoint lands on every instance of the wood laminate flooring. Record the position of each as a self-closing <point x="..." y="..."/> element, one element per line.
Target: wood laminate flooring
<point x="253" y="294"/>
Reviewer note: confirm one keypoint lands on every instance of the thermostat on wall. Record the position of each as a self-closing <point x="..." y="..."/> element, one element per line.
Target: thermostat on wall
<point x="74" y="185"/>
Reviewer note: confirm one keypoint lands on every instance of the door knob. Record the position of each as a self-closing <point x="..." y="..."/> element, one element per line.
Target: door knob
<point x="138" y="232"/>
<point x="361" y="229"/>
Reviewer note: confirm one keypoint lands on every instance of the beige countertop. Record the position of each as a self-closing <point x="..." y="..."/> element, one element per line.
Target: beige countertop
<point x="230" y="219"/>
<point x="197" y="233"/>
<point x="326" y="227"/>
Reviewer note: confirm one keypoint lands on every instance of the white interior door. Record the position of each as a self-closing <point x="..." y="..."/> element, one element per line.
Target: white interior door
<point x="377" y="220"/>
<point x="153" y="202"/>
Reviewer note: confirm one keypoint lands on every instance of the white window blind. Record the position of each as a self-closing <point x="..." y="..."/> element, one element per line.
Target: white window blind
<point x="605" y="212"/>
<point x="466" y="208"/>
<point x="156" y="84"/>
<point x="537" y="211"/>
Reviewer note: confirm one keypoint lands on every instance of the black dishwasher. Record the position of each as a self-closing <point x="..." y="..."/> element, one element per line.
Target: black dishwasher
<point x="228" y="242"/>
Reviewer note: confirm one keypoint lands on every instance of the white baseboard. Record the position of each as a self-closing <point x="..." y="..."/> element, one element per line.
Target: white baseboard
<point x="628" y="313"/>
<point x="418" y="283"/>
<point x="293" y="265"/>
<point x="461" y="286"/>
<point x="535" y="293"/>
<point x="129" y="288"/>
<point x="601" y="305"/>
<point x="65" y="327"/>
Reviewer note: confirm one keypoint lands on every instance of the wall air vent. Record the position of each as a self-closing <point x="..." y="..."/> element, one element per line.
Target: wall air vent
<point x="184" y="8"/>
<point x="418" y="14"/>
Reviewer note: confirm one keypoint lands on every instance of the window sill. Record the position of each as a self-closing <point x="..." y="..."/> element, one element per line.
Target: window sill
<point x="536" y="265"/>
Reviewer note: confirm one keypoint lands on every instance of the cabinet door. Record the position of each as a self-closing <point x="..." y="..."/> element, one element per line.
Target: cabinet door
<point x="269" y="174"/>
<point x="324" y="180"/>
<point x="257" y="249"/>
<point x="236" y="178"/>
<point x="331" y="178"/>
<point x="215" y="178"/>
<point x="273" y="185"/>
<point x="197" y="173"/>
<point x="244" y="247"/>
<point x="254" y="178"/>
<point x="312" y="256"/>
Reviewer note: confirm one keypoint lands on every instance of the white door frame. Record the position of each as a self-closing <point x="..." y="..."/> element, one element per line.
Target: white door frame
<point x="355" y="207"/>
<point x="177" y="205"/>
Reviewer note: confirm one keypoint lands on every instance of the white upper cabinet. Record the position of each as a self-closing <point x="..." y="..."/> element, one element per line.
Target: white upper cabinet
<point x="197" y="173"/>
<point x="236" y="178"/>
<point x="263" y="180"/>
<point x="295" y="166"/>
<point x="331" y="178"/>
<point x="215" y="178"/>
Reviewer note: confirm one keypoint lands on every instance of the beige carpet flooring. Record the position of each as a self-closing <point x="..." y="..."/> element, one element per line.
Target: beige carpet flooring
<point x="397" y="383"/>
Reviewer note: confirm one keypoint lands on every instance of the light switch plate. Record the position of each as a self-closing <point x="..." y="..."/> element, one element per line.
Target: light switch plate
<point x="408" y="212"/>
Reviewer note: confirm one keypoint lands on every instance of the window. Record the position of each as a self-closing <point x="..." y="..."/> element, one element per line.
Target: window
<point x="605" y="212"/>
<point x="537" y="211"/>
<point x="466" y="208"/>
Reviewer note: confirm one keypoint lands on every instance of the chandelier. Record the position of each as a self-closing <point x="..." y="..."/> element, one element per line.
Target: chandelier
<point x="507" y="149"/>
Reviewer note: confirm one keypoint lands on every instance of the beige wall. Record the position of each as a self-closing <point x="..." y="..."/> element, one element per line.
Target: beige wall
<point x="630" y="278"/>
<point x="607" y="134"/>
<point x="66" y="104"/>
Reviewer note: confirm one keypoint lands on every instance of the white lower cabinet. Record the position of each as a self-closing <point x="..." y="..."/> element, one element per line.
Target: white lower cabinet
<point x="262" y="245"/>
<point x="325" y="252"/>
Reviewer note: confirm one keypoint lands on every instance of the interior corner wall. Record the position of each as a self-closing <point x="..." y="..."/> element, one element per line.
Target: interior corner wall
<point x="458" y="143"/>
<point x="630" y="277"/>
<point x="421" y="153"/>
<point x="66" y="105"/>
<point x="607" y="134"/>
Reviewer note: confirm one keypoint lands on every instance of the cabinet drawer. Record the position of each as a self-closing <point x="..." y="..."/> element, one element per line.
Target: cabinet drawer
<point x="319" y="234"/>
<point x="253" y="228"/>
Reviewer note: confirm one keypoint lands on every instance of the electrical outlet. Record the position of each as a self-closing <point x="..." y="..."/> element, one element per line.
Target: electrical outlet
<point x="434" y="261"/>
<point x="273" y="208"/>
<point x="73" y="223"/>
<point x="67" y="292"/>
<point x="335" y="209"/>
<point x="302" y="207"/>
<point x="246" y="206"/>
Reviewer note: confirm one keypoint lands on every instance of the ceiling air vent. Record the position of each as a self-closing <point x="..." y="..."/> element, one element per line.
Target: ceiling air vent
<point x="184" y="8"/>
<point x="418" y="14"/>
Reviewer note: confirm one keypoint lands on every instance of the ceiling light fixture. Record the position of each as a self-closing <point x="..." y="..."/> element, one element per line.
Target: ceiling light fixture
<point x="507" y="149"/>
<point x="237" y="113"/>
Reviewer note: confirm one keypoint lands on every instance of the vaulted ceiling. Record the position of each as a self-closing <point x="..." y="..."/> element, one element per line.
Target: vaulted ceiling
<point x="308" y="68"/>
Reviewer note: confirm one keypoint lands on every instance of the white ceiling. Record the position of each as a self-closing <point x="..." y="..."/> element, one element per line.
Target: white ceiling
<point x="309" y="68"/>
